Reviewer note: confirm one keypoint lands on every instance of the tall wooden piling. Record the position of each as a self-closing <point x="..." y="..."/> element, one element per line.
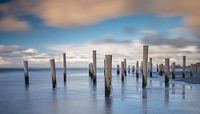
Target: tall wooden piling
<point x="108" y="74"/>
<point x="64" y="67"/>
<point x="53" y="73"/>
<point x="118" y="70"/>
<point x="129" y="69"/>
<point x="26" y="74"/>
<point x="173" y="70"/>
<point x="125" y="67"/>
<point x="145" y="61"/>
<point x="122" y="71"/>
<point x="151" y="66"/>
<point x="184" y="65"/>
<point x="94" y="66"/>
<point x="167" y="71"/>
<point x="137" y="69"/>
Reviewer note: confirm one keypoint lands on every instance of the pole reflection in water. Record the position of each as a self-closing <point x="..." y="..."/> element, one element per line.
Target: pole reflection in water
<point x="183" y="91"/>
<point x="173" y="88"/>
<point x="123" y="88"/>
<point x="144" y="100"/>
<point x="137" y="85"/>
<point x="108" y="105"/>
<point x="166" y="96"/>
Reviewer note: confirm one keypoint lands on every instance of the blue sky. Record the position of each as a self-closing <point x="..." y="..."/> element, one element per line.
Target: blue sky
<point x="41" y="35"/>
<point x="39" y="30"/>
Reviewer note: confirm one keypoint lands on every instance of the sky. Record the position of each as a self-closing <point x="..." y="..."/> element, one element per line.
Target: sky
<point x="38" y="30"/>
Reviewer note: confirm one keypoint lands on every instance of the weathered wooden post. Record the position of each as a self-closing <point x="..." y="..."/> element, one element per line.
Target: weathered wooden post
<point x="122" y="71"/>
<point x="53" y="73"/>
<point x="26" y="74"/>
<point x="118" y="70"/>
<point x="184" y="65"/>
<point x="129" y="69"/>
<point x="125" y="67"/>
<point x="91" y="70"/>
<point x="151" y="66"/>
<point x="157" y="67"/>
<point x="173" y="70"/>
<point x="94" y="67"/>
<point x="133" y="69"/>
<point x="141" y="67"/>
<point x="137" y="69"/>
<point x="64" y="67"/>
<point x="166" y="71"/>
<point x="108" y="74"/>
<point x="145" y="61"/>
<point x="191" y="70"/>
<point x="161" y="69"/>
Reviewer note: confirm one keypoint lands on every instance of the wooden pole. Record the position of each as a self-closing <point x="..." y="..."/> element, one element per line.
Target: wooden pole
<point x="142" y="67"/>
<point x="26" y="74"/>
<point x="137" y="69"/>
<point x="133" y="69"/>
<point x="167" y="71"/>
<point x="151" y="66"/>
<point x="118" y="70"/>
<point x="64" y="67"/>
<point x="157" y="67"/>
<point x="91" y="70"/>
<point x="125" y="68"/>
<point x="122" y="71"/>
<point x="184" y="65"/>
<point x="191" y="70"/>
<point x="161" y="69"/>
<point x="94" y="66"/>
<point x="129" y="69"/>
<point x="173" y="70"/>
<point x="108" y="74"/>
<point x="53" y="73"/>
<point x="145" y="61"/>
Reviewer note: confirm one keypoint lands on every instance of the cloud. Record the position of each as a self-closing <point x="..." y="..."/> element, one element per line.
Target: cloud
<point x="10" y="24"/>
<point x="109" y="39"/>
<point x="76" y="13"/>
<point x="13" y="55"/>
<point x="153" y="38"/>
<point x="131" y="50"/>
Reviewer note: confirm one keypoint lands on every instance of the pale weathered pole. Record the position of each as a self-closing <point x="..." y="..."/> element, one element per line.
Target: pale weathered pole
<point x="108" y="74"/>
<point x="118" y="70"/>
<point x="167" y="71"/>
<point x="122" y="71"/>
<point x="26" y="74"/>
<point x="94" y="66"/>
<point x="145" y="61"/>
<point x="64" y="67"/>
<point x="137" y="69"/>
<point x="191" y="70"/>
<point x="150" y="65"/>
<point x="53" y="73"/>
<point x="184" y="65"/>
<point x="129" y="69"/>
<point x="173" y="70"/>
<point x="125" y="67"/>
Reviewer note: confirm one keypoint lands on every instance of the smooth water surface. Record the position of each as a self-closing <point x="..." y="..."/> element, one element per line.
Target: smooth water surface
<point x="80" y="96"/>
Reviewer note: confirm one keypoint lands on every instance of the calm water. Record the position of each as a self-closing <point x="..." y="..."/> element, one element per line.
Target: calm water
<point x="79" y="96"/>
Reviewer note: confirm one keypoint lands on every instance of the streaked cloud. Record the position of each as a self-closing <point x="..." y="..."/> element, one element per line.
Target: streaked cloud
<point x="75" y="13"/>
<point x="11" y="24"/>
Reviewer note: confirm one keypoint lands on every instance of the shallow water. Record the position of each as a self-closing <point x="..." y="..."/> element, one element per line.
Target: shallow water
<point x="80" y="96"/>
